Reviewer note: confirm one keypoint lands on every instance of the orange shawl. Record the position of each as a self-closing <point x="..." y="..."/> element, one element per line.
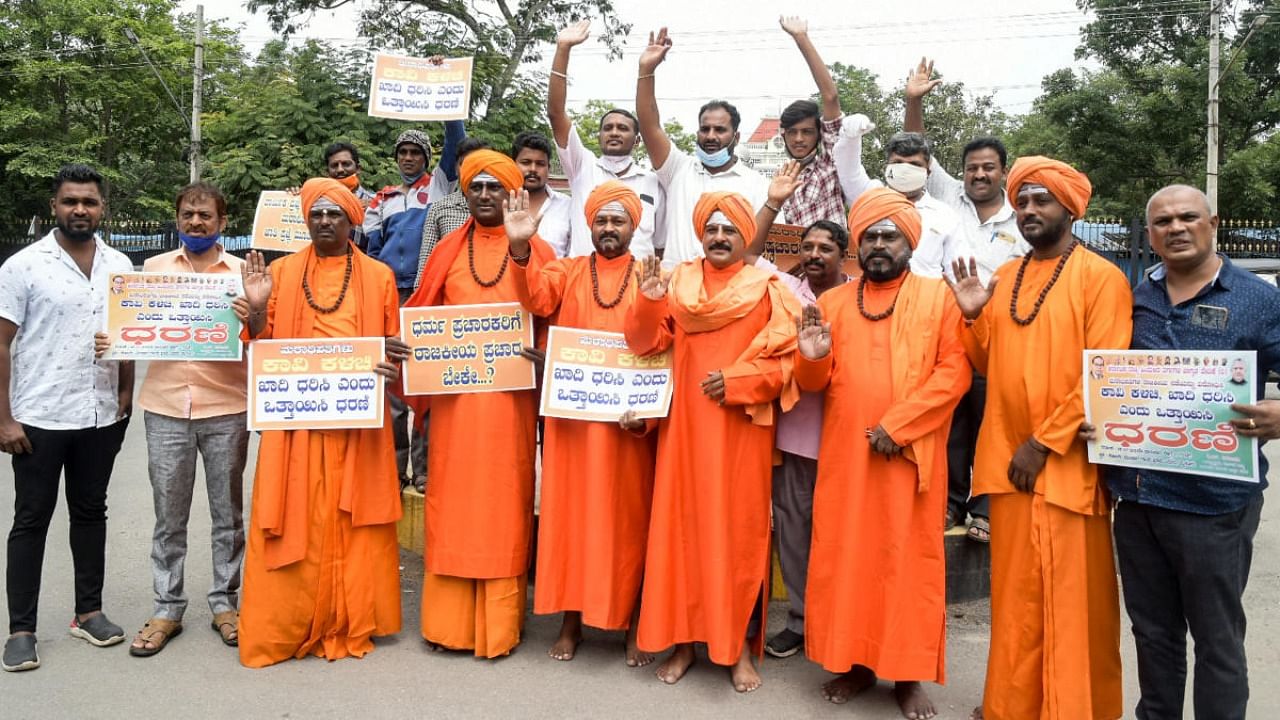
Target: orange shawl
<point x="369" y="488"/>
<point x="694" y="312"/>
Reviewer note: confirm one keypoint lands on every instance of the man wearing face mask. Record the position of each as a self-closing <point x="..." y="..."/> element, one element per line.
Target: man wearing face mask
<point x="809" y="139"/>
<point x="619" y="135"/>
<point x="906" y="171"/>
<point x="714" y="169"/>
<point x="60" y="408"/>
<point x="988" y="231"/>
<point x="532" y="153"/>
<point x="195" y="407"/>
<point x="342" y="163"/>
<point x="887" y="353"/>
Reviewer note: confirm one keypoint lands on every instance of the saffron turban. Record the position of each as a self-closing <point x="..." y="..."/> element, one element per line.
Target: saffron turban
<point x="734" y="206"/>
<point x="1070" y="186"/>
<point x="610" y="192"/>
<point x="494" y="163"/>
<point x="316" y="188"/>
<point x="879" y="204"/>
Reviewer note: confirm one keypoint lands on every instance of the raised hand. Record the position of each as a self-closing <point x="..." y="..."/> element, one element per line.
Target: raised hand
<point x="920" y="81"/>
<point x="436" y="59"/>
<point x="655" y="53"/>
<point x="257" y="281"/>
<point x="785" y="182"/>
<point x="649" y="278"/>
<point x="574" y="34"/>
<point x="814" y="335"/>
<point x="518" y="218"/>
<point x="971" y="294"/>
<point x="794" y="25"/>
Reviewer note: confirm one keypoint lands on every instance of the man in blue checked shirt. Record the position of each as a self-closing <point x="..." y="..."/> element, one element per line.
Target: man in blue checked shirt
<point x="1185" y="542"/>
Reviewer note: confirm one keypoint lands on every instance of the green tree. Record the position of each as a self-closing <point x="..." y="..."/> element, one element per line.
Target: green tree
<point x="73" y="88"/>
<point x="587" y="121"/>
<point x="500" y="42"/>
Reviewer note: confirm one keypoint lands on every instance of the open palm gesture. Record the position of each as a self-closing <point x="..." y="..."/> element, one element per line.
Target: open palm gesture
<point x="920" y="81"/>
<point x="785" y="182"/>
<point x="650" y="281"/>
<point x="814" y="335"/>
<point x="574" y="34"/>
<point x="656" y="52"/>
<point x="518" y="219"/>
<point x="257" y="281"/>
<point x="971" y="294"/>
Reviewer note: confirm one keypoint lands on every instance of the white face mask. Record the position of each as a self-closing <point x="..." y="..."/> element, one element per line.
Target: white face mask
<point x="616" y="164"/>
<point x="906" y="178"/>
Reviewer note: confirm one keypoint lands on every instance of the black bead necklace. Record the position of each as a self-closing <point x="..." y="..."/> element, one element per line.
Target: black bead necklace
<point x="471" y="260"/>
<point x="346" y="283"/>
<point x="863" y="309"/>
<point x="622" y="290"/>
<point x="1017" y="285"/>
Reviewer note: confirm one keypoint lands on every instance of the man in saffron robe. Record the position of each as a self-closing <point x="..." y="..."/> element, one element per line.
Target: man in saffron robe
<point x="733" y="327"/>
<point x="887" y="351"/>
<point x="321" y="573"/>
<point x="597" y="478"/>
<point x="479" y="504"/>
<point x="1055" y="609"/>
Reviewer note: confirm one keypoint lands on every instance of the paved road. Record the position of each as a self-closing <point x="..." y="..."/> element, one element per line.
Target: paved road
<point x="197" y="676"/>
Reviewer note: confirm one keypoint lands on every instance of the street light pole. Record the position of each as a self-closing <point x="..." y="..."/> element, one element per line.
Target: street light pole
<point x="197" y="95"/>
<point x="1211" y="159"/>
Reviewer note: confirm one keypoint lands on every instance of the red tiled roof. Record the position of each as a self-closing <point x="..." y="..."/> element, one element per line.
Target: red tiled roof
<point x="765" y="131"/>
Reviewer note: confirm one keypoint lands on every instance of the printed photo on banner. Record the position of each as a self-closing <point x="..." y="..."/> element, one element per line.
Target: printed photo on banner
<point x="592" y="375"/>
<point x="410" y="88"/>
<point x="1171" y="410"/>
<point x="782" y="248"/>
<point x="173" y="316"/>
<point x="278" y="223"/>
<point x="466" y="348"/>
<point x="324" y="384"/>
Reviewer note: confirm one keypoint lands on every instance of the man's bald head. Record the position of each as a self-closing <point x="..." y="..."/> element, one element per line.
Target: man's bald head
<point x="1168" y="190"/>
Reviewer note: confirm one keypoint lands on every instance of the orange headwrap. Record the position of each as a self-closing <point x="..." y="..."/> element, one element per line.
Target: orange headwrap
<point x="316" y="188"/>
<point x="494" y="163"/>
<point x="613" y="191"/>
<point x="1070" y="186"/>
<point x="879" y="204"/>
<point x="734" y="206"/>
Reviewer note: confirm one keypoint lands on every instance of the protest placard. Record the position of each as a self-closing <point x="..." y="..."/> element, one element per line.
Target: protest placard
<point x="278" y="223"/>
<point x="172" y="316"/>
<point x="782" y="248"/>
<point x="466" y="348"/>
<point x="1170" y="410"/>
<point x="592" y="375"/>
<point x="321" y="384"/>
<point x="410" y="88"/>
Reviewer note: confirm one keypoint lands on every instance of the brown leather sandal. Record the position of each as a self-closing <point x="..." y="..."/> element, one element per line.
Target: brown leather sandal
<point x="227" y="625"/>
<point x="155" y="634"/>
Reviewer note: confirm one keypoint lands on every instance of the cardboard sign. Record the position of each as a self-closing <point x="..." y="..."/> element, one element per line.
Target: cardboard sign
<point x="173" y="316"/>
<point x="592" y="375"/>
<point x="278" y="223"/>
<point x="1171" y="410"/>
<point x="466" y="348"/>
<point x="410" y="88"/>
<point x="783" y="250"/>
<point x="321" y="384"/>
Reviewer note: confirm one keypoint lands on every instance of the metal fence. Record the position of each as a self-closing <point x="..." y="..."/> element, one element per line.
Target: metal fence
<point x="137" y="239"/>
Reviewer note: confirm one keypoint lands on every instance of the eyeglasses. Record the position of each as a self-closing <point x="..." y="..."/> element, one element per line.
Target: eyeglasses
<point x="331" y="214"/>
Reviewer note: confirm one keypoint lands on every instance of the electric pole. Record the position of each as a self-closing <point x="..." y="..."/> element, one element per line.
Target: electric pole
<point x="1211" y="160"/>
<point x="197" y="92"/>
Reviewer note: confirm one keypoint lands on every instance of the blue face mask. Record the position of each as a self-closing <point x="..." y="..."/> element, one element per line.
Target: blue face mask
<point x="198" y="245"/>
<point x="411" y="179"/>
<point x="715" y="160"/>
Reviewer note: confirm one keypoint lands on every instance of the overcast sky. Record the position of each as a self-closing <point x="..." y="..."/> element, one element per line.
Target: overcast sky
<point x="734" y="49"/>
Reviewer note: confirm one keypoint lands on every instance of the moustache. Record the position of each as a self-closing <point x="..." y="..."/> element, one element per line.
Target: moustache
<point x="720" y="245"/>
<point x="610" y="235"/>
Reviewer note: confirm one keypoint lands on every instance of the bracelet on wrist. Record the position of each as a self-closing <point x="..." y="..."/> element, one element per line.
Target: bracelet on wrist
<point x="775" y="210"/>
<point x="642" y="77"/>
<point x="559" y="74"/>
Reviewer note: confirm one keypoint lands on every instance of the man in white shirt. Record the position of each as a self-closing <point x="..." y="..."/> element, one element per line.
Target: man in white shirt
<point x="619" y="134"/>
<point x="989" y="233"/>
<point x="60" y="409"/>
<point x="532" y="153"/>
<point x="685" y="177"/>
<point x="907" y="171"/>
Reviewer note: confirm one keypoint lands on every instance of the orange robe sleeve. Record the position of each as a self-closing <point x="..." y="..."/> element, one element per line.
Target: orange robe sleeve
<point x="649" y="328"/>
<point x="929" y="408"/>
<point x="542" y="284"/>
<point x="976" y="339"/>
<point x="813" y="375"/>
<point x="1109" y="326"/>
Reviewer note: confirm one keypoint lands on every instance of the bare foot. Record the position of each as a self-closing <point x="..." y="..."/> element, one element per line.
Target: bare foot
<point x="635" y="656"/>
<point x="913" y="701"/>
<point x="976" y="714"/>
<point x="839" y="689"/>
<point x="566" y="645"/>
<point x="743" y="673"/>
<point x="675" y="666"/>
